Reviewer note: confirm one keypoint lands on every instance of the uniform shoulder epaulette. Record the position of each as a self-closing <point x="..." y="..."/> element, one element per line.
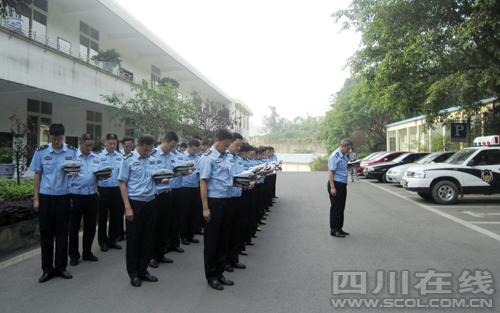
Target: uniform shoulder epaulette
<point x="153" y="151"/>
<point x="41" y="147"/>
<point x="127" y="156"/>
<point x="336" y="154"/>
<point x="71" y="147"/>
<point x="208" y="152"/>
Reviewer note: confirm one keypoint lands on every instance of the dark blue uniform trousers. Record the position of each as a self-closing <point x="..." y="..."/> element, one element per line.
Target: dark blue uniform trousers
<point x="337" y="205"/>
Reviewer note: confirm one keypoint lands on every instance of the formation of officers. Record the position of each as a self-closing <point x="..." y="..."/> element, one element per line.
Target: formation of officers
<point x="160" y="214"/>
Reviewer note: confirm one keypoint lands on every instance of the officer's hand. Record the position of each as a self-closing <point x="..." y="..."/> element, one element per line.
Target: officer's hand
<point x="252" y="184"/>
<point x="104" y="177"/>
<point x="333" y="191"/>
<point x="259" y="177"/>
<point x="206" y="214"/>
<point x="74" y="174"/>
<point x="165" y="181"/>
<point x="36" y="205"/>
<point x="129" y="214"/>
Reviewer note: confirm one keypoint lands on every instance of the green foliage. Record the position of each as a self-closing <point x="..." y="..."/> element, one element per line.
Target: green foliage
<point x="109" y="55"/>
<point x="167" y="80"/>
<point x="302" y="151"/>
<point x="98" y="144"/>
<point x="6" y="155"/>
<point x="8" y="7"/>
<point x="24" y="135"/>
<point x="362" y="156"/>
<point x="420" y="57"/>
<point x="440" y="143"/>
<point x="10" y="190"/>
<point x="319" y="164"/>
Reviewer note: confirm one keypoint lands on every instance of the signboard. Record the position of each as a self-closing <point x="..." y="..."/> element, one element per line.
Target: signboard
<point x="458" y="132"/>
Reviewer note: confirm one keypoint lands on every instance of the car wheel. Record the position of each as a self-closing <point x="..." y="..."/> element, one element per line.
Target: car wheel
<point x="425" y="195"/>
<point x="384" y="178"/>
<point x="445" y="192"/>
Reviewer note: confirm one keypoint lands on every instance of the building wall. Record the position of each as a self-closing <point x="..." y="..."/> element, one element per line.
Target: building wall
<point x="296" y="167"/>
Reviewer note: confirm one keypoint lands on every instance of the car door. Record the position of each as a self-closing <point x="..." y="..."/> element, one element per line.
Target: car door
<point x="487" y="164"/>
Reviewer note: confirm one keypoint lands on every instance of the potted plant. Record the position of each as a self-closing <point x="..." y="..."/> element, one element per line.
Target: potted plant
<point x="7" y="167"/>
<point x="109" y="58"/>
<point x="11" y="11"/>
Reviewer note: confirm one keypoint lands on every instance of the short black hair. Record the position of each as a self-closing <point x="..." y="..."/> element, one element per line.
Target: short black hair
<point x="146" y="139"/>
<point x="127" y="138"/>
<point x="85" y="137"/>
<point x="157" y="143"/>
<point x="194" y="143"/>
<point x="184" y="145"/>
<point x="206" y="141"/>
<point x="171" y="136"/>
<point x="223" y="134"/>
<point x="245" y="146"/>
<point x="111" y="137"/>
<point x="57" y="130"/>
<point x="237" y="136"/>
<point x="197" y="137"/>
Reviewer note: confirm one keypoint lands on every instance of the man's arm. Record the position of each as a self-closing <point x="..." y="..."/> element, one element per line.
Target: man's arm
<point x="204" y="199"/>
<point x="333" y="191"/>
<point x="129" y="214"/>
<point x="38" y="177"/>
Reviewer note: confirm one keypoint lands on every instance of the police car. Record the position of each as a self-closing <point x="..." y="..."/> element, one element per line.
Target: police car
<point x="474" y="170"/>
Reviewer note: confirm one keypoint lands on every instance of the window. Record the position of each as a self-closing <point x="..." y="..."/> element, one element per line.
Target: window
<point x="155" y="75"/>
<point x="40" y="117"/>
<point x="35" y="17"/>
<point x="94" y="123"/>
<point x="129" y="127"/>
<point x="89" y="41"/>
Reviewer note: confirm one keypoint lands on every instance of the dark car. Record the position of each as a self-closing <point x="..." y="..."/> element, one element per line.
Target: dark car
<point x="378" y="157"/>
<point x="379" y="170"/>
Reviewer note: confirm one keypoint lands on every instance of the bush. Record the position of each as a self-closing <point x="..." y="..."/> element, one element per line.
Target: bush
<point x="319" y="164"/>
<point x="6" y="155"/>
<point x="10" y="190"/>
<point x="12" y="212"/>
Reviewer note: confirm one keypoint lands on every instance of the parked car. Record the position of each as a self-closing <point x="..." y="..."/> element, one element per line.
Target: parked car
<point x="381" y="157"/>
<point x="368" y="158"/>
<point x="379" y="170"/>
<point x="395" y="174"/>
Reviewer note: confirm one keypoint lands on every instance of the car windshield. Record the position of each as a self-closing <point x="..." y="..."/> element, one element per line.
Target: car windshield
<point x="372" y="156"/>
<point x="427" y="158"/>
<point x="461" y="156"/>
<point x="400" y="158"/>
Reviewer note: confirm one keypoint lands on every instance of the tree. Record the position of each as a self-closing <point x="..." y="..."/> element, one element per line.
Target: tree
<point x="274" y="122"/>
<point x="166" y="80"/>
<point x="210" y="118"/>
<point x="156" y="111"/>
<point x="22" y="135"/>
<point x="419" y="57"/>
<point x="354" y="116"/>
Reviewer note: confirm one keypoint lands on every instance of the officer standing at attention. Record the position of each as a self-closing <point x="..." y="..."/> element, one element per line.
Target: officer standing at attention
<point x="138" y="192"/>
<point x="53" y="202"/>
<point x="83" y="190"/>
<point x="128" y="145"/>
<point x="110" y="199"/>
<point x="191" y="212"/>
<point x="337" y="187"/>
<point x="216" y="184"/>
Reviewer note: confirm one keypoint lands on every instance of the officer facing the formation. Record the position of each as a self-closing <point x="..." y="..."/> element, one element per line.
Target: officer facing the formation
<point x="83" y="190"/>
<point x="137" y="187"/>
<point x="216" y="183"/>
<point x="110" y="199"/>
<point x="337" y="187"/>
<point x="53" y="202"/>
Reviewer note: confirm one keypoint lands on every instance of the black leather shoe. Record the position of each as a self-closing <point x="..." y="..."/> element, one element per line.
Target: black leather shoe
<point x="243" y="253"/>
<point x="185" y="241"/>
<point x="228" y="268"/>
<point x="239" y="265"/>
<point x="275" y="197"/>
<point x="267" y="210"/>
<point x="215" y="285"/>
<point x="343" y="233"/>
<point x="262" y="223"/>
<point x="265" y="214"/>
<point x="254" y="236"/>
<point x="120" y="238"/>
<point x="257" y="229"/>
<point x="200" y="232"/>
<point x="65" y="275"/>
<point x="153" y="263"/>
<point x="149" y="277"/>
<point x="46" y="277"/>
<point x="250" y="243"/>
<point x="225" y="281"/>
<point x="91" y="258"/>
<point x="193" y="240"/>
<point x="104" y="247"/>
<point x="337" y="234"/>
<point x="177" y="249"/>
<point x="164" y="260"/>
<point x="116" y="246"/>
<point x="73" y="262"/>
<point x="271" y="204"/>
<point x="136" y="282"/>
<point x="264" y="218"/>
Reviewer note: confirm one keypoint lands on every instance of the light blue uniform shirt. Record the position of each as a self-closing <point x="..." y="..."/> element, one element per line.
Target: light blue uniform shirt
<point x="53" y="181"/>
<point x="238" y="169"/>
<point x="163" y="161"/>
<point x="86" y="182"/>
<point x="138" y="173"/>
<point x="338" y="163"/>
<point x="176" y="182"/>
<point x="216" y="167"/>
<point x="192" y="180"/>
<point x="261" y="180"/>
<point x="113" y="160"/>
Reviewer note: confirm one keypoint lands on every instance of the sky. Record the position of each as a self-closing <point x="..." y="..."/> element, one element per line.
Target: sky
<point x="287" y="54"/>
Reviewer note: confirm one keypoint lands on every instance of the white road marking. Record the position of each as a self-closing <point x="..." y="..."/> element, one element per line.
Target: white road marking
<point x="485" y="222"/>
<point x="448" y="216"/>
<point x="473" y="214"/>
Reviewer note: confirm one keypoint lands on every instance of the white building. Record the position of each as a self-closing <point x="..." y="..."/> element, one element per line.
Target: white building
<point x="46" y="70"/>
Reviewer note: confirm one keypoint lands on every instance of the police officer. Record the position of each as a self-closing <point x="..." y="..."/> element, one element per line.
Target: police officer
<point x="110" y="199"/>
<point x="176" y="185"/>
<point x="53" y="202"/>
<point x="83" y="190"/>
<point x="216" y="184"/>
<point x="163" y="202"/>
<point x="337" y="187"/>
<point x="191" y="212"/>
<point x="138" y="193"/>
<point x="128" y="145"/>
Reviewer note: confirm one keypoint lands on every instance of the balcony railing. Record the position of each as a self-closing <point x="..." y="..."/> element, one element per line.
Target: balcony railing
<point x="51" y="44"/>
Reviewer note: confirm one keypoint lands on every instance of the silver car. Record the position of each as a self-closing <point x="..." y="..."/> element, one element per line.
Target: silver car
<point x="395" y="174"/>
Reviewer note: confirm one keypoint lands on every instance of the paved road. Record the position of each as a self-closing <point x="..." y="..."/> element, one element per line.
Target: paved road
<point x="290" y="269"/>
